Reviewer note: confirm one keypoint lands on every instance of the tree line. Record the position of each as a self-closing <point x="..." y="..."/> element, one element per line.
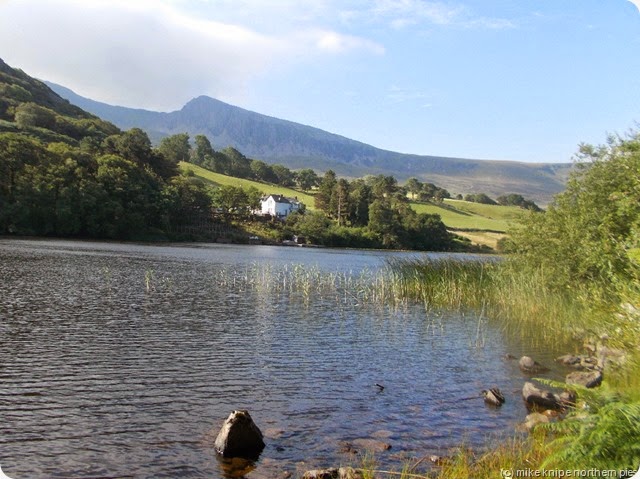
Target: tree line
<point x="231" y="162"/>
<point x="374" y="211"/>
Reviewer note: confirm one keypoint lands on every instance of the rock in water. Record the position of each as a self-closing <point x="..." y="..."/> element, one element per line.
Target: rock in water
<point x="239" y="437"/>
<point x="493" y="397"/>
<point x="540" y="398"/>
<point x="528" y="365"/>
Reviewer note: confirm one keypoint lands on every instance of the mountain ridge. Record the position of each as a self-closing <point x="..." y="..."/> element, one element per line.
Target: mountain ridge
<point x="295" y="145"/>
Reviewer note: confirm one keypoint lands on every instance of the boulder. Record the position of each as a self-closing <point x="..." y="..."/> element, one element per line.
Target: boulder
<point x="567" y="398"/>
<point x="321" y="474"/>
<point x="493" y="397"/>
<point x="540" y="398"/>
<point x="333" y="473"/>
<point x="588" y="379"/>
<point x="533" y="419"/>
<point x="528" y="365"/>
<point x="239" y="437"/>
<point x="569" y="360"/>
<point x="581" y="362"/>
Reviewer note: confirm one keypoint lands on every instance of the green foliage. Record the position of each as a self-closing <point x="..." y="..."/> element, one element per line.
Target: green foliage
<point x="176" y="148"/>
<point x="32" y="114"/>
<point x="307" y="179"/>
<point x="479" y="198"/>
<point x="517" y="200"/>
<point x="584" y="236"/>
<point x="202" y="150"/>
<point x="134" y="145"/>
<point x="15" y="93"/>
<point x="188" y="200"/>
<point x="604" y="433"/>
<point x="325" y="191"/>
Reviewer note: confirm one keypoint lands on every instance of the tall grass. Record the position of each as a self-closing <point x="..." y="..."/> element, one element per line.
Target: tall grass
<point x="514" y="300"/>
<point x="603" y="432"/>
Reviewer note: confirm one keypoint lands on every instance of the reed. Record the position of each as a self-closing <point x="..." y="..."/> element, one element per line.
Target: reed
<point x="515" y="300"/>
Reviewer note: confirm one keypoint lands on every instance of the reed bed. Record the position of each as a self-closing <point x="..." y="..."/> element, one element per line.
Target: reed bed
<point x="483" y="289"/>
<point x="515" y="301"/>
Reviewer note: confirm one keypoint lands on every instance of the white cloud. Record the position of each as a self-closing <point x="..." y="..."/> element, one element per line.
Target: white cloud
<point x="337" y="43"/>
<point x="153" y="54"/>
<point x="636" y="3"/>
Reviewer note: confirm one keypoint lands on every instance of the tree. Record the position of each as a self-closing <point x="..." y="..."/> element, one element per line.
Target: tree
<point x="188" y="200"/>
<point x="383" y="186"/>
<point x="284" y="176"/>
<point x="237" y="200"/>
<point x="134" y="145"/>
<point x="585" y="235"/>
<point x="202" y="150"/>
<point x="312" y="225"/>
<point x="361" y="197"/>
<point x="175" y="148"/>
<point x="517" y="200"/>
<point x="383" y="223"/>
<point x="261" y="171"/>
<point x="239" y="165"/>
<point x="340" y="200"/>
<point x="414" y="186"/>
<point x="325" y="191"/>
<point x="127" y="200"/>
<point x="306" y="179"/>
<point x="479" y="198"/>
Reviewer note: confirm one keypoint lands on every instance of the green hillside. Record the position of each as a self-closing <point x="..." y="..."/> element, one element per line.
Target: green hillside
<point x="485" y="224"/>
<point x="220" y="179"/>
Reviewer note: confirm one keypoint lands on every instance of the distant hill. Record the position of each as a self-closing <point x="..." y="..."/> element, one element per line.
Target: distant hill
<point x="299" y="146"/>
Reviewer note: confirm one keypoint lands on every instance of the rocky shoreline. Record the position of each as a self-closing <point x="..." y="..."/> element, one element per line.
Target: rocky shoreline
<point x="239" y="436"/>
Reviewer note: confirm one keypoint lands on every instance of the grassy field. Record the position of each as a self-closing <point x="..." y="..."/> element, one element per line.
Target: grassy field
<point x="466" y="215"/>
<point x="489" y="222"/>
<point x="266" y="188"/>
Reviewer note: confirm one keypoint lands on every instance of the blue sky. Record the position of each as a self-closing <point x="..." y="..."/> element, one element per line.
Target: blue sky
<point x="524" y="80"/>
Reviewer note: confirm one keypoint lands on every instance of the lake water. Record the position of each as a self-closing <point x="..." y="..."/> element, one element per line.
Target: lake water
<point x="123" y="360"/>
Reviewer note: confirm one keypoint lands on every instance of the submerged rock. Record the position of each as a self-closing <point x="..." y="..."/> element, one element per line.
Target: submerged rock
<point x="239" y="436"/>
<point x="588" y="379"/>
<point x="528" y="365"/>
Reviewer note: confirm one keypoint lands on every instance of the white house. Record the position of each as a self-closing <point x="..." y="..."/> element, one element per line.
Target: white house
<point x="279" y="206"/>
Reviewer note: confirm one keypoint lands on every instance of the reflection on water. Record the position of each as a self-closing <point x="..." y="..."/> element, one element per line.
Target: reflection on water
<point x="123" y="360"/>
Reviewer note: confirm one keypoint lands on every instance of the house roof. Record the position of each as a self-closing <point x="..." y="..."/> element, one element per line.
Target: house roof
<point x="280" y="199"/>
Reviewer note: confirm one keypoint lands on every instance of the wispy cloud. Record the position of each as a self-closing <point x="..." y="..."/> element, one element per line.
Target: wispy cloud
<point x="397" y="94"/>
<point x="636" y="3"/>
<point x="402" y="13"/>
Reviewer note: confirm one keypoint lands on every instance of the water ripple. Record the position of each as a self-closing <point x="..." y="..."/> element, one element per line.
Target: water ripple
<point x="121" y="361"/>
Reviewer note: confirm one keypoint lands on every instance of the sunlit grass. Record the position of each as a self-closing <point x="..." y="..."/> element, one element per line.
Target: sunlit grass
<point x="220" y="179"/>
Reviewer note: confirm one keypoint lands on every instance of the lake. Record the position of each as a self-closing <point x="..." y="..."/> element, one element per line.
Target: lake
<point x="123" y="360"/>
